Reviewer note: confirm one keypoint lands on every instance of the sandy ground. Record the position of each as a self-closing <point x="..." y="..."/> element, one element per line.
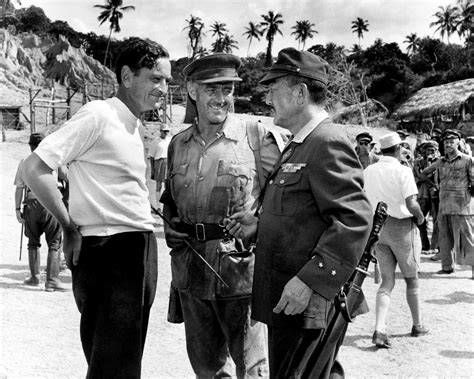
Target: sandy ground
<point x="39" y="331"/>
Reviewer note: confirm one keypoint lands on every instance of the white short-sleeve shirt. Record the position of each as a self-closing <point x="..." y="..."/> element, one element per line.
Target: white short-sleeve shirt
<point x="391" y="182"/>
<point x="103" y="147"/>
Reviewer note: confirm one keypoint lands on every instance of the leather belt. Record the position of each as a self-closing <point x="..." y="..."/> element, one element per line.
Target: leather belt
<point x="203" y="232"/>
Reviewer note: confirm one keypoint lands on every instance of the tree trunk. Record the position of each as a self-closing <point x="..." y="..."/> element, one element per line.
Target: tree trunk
<point x="107" y="49"/>
<point x="268" y="58"/>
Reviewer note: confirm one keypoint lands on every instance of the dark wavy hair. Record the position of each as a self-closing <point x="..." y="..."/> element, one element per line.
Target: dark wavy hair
<point x="139" y="53"/>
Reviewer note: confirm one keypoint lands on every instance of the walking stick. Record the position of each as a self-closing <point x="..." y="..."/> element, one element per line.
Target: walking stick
<point x="188" y="244"/>
<point x="21" y="240"/>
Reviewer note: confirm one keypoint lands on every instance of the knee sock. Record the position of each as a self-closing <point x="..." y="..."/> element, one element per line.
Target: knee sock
<point x="382" y="304"/>
<point x="413" y="300"/>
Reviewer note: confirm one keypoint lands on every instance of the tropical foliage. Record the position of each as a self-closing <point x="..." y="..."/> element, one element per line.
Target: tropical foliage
<point x="112" y="11"/>
<point x="303" y="30"/>
<point x="270" y="27"/>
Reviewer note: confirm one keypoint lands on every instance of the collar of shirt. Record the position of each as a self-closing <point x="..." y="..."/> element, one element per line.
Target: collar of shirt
<point x="117" y="103"/>
<point x="387" y="159"/>
<point x="309" y="127"/>
<point x="445" y="158"/>
<point x="228" y="129"/>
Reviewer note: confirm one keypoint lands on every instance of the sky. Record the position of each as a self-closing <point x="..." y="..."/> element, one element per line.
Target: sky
<point x="163" y="20"/>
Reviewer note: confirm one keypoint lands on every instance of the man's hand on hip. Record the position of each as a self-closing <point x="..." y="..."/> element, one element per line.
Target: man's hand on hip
<point x="295" y="297"/>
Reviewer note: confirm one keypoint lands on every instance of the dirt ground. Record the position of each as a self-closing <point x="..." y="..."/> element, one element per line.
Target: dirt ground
<point x="39" y="331"/>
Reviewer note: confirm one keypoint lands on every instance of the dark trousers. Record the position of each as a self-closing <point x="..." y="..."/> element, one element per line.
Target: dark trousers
<point x="290" y="354"/>
<point x="217" y="330"/>
<point x="430" y="205"/>
<point x="114" y="286"/>
<point x="38" y="221"/>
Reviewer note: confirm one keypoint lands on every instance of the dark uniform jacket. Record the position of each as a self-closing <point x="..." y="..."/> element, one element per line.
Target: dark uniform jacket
<point x="314" y="223"/>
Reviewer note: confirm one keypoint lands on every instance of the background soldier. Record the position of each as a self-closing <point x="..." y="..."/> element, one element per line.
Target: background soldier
<point x="364" y="149"/>
<point x="157" y="156"/>
<point x="456" y="208"/>
<point x="37" y="221"/>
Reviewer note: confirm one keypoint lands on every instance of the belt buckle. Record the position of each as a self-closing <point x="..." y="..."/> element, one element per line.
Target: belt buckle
<point x="200" y="231"/>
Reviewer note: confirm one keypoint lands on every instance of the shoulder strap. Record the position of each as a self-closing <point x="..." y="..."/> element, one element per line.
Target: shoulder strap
<point x="254" y="139"/>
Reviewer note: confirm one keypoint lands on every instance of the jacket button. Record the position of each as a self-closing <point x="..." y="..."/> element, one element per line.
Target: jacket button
<point x="271" y="182"/>
<point x="333" y="272"/>
<point x="282" y="181"/>
<point x="320" y="265"/>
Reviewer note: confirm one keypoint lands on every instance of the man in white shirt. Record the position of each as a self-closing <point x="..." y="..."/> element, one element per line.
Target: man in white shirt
<point x="157" y="155"/>
<point x="109" y="243"/>
<point x="393" y="183"/>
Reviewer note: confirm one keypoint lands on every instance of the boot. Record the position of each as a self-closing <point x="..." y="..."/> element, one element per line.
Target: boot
<point x="34" y="263"/>
<point x="52" y="273"/>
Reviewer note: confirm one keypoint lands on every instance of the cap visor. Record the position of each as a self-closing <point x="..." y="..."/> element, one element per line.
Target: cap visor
<point x="271" y="76"/>
<point x="221" y="79"/>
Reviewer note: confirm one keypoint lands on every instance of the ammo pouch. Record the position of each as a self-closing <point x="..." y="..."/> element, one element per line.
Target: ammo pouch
<point x="236" y="268"/>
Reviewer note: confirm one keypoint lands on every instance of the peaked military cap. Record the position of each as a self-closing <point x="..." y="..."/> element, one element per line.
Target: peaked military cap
<point x="450" y="134"/>
<point x="402" y="132"/>
<point x="364" y="136"/>
<point x="300" y="63"/>
<point x="214" y="68"/>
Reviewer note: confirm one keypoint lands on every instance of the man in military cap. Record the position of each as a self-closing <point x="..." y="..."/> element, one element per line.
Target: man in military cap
<point x="428" y="196"/>
<point x="38" y="220"/>
<point x="217" y="166"/>
<point x="363" y="149"/>
<point x="403" y="134"/>
<point x="456" y="208"/>
<point x="314" y="220"/>
<point x="399" y="242"/>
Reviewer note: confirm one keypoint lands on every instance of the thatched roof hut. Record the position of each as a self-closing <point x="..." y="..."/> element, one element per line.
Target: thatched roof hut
<point x="444" y="106"/>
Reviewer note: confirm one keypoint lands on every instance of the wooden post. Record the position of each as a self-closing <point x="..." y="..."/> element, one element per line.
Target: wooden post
<point x="68" y="102"/>
<point x="84" y="97"/>
<point x="171" y="104"/>
<point x="30" y="91"/>
<point x="53" y="97"/>
<point x="33" y="118"/>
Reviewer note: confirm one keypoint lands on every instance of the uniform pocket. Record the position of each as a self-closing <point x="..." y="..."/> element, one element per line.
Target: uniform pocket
<point x="179" y="183"/>
<point x="284" y="193"/>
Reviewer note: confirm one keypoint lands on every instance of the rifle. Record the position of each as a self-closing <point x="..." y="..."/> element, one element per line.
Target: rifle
<point x="348" y="304"/>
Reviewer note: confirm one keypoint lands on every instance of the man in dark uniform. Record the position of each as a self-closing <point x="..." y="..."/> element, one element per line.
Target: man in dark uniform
<point x="315" y="216"/>
<point x="37" y="221"/>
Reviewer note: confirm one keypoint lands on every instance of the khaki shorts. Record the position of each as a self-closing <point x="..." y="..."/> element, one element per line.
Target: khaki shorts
<point x="161" y="171"/>
<point x="400" y="244"/>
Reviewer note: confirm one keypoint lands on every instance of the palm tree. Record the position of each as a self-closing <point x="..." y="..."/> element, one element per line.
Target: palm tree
<point x="465" y="18"/>
<point x="218" y="29"/>
<point x="412" y="40"/>
<point x="447" y="21"/>
<point x="360" y="26"/>
<point x="228" y="43"/>
<point x="195" y="33"/>
<point x="303" y="31"/>
<point x="252" y="31"/>
<point x="271" y="26"/>
<point x="112" y="11"/>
